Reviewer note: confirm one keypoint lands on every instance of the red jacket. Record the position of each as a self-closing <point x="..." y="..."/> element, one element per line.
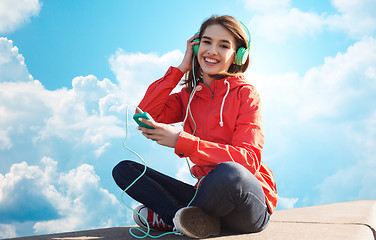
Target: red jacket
<point x="228" y="120"/>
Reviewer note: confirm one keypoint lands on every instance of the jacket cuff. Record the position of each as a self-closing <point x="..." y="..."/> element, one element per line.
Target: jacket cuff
<point x="185" y="144"/>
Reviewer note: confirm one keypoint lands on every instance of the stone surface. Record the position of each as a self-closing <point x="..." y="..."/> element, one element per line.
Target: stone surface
<point x="363" y="212"/>
<point x="339" y="221"/>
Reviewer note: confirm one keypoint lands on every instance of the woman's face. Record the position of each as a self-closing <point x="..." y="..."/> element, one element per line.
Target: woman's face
<point x="217" y="50"/>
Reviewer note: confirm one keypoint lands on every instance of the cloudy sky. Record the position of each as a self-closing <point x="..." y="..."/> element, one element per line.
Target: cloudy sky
<point x="69" y="69"/>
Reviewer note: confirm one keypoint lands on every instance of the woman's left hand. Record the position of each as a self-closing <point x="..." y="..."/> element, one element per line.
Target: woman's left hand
<point x="164" y="134"/>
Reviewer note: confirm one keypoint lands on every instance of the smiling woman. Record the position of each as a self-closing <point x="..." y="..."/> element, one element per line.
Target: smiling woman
<point x="226" y="148"/>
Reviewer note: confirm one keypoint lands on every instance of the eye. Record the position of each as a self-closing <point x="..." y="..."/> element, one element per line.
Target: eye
<point x="224" y="46"/>
<point x="205" y="41"/>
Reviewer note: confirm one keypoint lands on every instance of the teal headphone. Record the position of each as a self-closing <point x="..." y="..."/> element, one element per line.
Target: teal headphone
<point x="241" y="53"/>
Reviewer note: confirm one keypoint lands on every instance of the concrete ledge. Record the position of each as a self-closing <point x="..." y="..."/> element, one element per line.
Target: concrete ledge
<point x="349" y="220"/>
<point x="362" y="212"/>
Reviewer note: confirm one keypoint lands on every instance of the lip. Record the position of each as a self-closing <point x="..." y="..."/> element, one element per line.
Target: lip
<point x="211" y="61"/>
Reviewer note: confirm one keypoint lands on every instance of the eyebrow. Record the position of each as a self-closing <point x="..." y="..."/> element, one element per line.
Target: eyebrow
<point x="223" y="40"/>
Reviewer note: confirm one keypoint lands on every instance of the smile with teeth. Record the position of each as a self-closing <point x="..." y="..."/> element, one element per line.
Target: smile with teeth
<point x="211" y="60"/>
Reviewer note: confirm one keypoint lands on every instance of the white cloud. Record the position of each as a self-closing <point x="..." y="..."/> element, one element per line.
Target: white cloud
<point x="90" y="113"/>
<point x="324" y="91"/>
<point x="18" y="188"/>
<point x="355" y="17"/>
<point x="14" y="13"/>
<point x="358" y="180"/>
<point x="80" y="195"/>
<point x="355" y="182"/>
<point x="287" y="203"/>
<point x="65" y="114"/>
<point x="281" y="25"/>
<point x="56" y="201"/>
<point x="5" y="142"/>
<point x="278" y="21"/>
<point x="135" y="71"/>
<point x="7" y="231"/>
<point x="329" y="89"/>
<point x="12" y="64"/>
<point x="183" y="173"/>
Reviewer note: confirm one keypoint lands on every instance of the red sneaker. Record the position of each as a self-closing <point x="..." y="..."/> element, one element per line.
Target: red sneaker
<point x="154" y="220"/>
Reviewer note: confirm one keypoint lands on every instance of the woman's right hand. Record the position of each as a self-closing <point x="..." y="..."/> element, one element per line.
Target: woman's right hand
<point x="186" y="64"/>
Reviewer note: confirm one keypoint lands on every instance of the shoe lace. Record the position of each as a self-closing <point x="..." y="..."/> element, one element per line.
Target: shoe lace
<point x="157" y="220"/>
<point x="176" y="230"/>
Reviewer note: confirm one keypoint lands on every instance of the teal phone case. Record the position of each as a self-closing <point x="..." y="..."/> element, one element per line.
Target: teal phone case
<point x="143" y="115"/>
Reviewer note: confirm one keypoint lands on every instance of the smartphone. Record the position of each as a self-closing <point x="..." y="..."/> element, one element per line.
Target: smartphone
<point x="143" y="115"/>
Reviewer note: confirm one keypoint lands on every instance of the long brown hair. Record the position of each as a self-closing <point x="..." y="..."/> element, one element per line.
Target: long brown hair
<point x="236" y="29"/>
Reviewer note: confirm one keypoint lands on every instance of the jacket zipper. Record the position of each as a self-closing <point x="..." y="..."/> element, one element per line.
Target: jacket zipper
<point x="212" y="93"/>
<point x="207" y="113"/>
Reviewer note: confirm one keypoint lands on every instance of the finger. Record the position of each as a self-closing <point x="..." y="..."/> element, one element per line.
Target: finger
<point x="151" y="136"/>
<point x="147" y="130"/>
<point x="148" y="122"/>
<point x="194" y="43"/>
<point x="196" y="36"/>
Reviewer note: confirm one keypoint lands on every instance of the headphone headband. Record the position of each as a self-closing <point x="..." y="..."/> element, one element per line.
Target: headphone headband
<point x="249" y="35"/>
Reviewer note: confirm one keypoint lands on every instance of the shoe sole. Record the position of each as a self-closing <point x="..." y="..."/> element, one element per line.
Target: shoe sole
<point x="195" y="223"/>
<point x="138" y="220"/>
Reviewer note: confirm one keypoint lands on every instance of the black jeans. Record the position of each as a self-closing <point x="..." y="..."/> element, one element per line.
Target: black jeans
<point x="229" y="191"/>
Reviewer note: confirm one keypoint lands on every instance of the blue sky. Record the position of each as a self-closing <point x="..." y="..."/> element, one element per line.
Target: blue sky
<point x="69" y="69"/>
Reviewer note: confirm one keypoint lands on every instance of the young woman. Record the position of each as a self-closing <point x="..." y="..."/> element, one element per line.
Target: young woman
<point x="222" y="136"/>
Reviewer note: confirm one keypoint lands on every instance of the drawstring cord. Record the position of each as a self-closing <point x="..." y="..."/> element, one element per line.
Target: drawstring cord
<point x="188" y="106"/>
<point x="223" y="103"/>
<point x="191" y="97"/>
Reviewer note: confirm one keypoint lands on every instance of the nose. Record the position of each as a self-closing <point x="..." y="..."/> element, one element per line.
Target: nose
<point x="212" y="50"/>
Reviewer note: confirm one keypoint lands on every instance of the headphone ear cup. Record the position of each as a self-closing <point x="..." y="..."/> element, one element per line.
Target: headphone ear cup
<point x="241" y="56"/>
<point x="195" y="47"/>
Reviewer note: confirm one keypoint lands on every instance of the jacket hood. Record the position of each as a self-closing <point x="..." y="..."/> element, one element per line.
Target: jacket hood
<point x="235" y="81"/>
<point x="220" y="86"/>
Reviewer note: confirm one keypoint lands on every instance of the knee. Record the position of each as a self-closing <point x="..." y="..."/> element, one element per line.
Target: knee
<point x="232" y="172"/>
<point x="233" y="177"/>
<point x="121" y="168"/>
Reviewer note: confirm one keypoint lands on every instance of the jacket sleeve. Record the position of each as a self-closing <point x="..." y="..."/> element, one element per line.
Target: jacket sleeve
<point x="246" y="145"/>
<point x="158" y="101"/>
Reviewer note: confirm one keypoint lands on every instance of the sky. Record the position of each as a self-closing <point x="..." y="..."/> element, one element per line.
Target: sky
<point x="70" y="69"/>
